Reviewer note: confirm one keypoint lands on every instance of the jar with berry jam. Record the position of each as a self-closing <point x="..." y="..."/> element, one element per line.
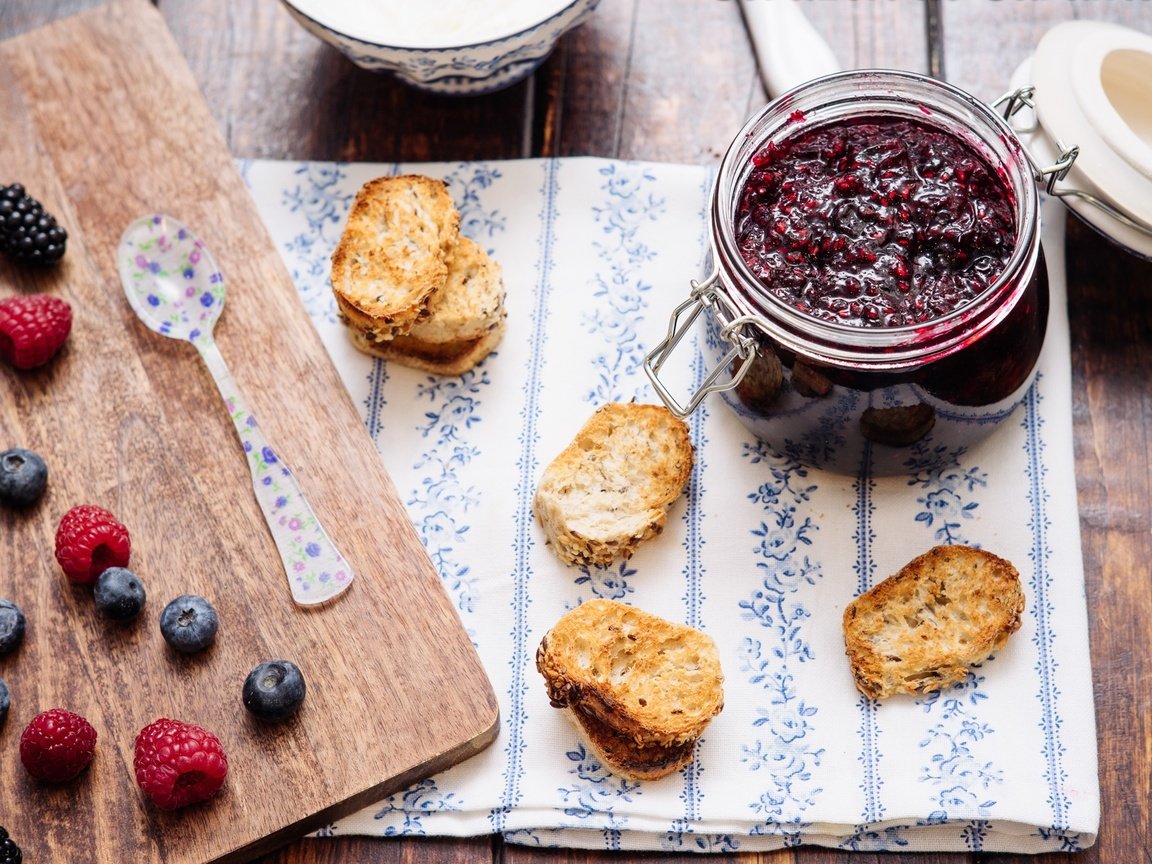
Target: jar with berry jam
<point x="878" y="296"/>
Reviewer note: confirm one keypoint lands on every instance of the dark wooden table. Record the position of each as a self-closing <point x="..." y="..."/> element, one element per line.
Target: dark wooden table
<point x="672" y="80"/>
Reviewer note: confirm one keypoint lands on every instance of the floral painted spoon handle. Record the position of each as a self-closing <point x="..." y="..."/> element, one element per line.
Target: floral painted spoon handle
<point x="316" y="570"/>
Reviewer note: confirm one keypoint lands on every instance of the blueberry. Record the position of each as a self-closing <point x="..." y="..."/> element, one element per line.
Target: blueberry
<point x="274" y="690"/>
<point x="5" y="702"/>
<point x="11" y="626"/>
<point x="23" y="477"/>
<point x="189" y="623"/>
<point x="119" y="594"/>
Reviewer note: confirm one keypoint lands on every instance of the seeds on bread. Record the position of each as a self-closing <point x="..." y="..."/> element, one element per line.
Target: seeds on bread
<point x="610" y="488"/>
<point x="649" y="681"/>
<point x="923" y="628"/>
<point x="394" y="253"/>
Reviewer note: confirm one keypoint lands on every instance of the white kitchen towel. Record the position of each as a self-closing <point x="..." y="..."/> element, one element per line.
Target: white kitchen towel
<point x="760" y="552"/>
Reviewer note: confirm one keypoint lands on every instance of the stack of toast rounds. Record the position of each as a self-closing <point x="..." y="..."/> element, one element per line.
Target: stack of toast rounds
<point x="641" y="689"/>
<point x="408" y="286"/>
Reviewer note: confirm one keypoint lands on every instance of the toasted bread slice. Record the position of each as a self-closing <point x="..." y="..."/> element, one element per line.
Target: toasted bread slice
<point x="464" y="323"/>
<point x="472" y="301"/>
<point x="439" y="358"/>
<point x="649" y="680"/>
<point x="624" y="756"/>
<point x="394" y="253"/>
<point x="923" y="628"/>
<point x="610" y="488"/>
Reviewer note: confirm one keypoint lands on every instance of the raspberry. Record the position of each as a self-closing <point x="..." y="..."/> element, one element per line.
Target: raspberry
<point x="26" y="230"/>
<point x="9" y="852"/>
<point x="57" y="745"/>
<point x="89" y="540"/>
<point x="178" y="764"/>
<point x="32" y="328"/>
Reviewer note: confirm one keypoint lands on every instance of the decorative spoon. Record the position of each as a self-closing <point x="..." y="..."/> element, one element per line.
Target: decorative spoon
<point x="174" y="287"/>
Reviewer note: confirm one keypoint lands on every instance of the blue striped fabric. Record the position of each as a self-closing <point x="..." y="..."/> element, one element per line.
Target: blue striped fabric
<point x="760" y="552"/>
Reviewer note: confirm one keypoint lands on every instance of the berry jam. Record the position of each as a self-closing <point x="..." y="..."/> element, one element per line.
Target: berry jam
<point x="874" y="221"/>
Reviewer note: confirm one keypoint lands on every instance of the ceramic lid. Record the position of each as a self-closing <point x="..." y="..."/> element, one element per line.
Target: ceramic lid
<point x="1091" y="89"/>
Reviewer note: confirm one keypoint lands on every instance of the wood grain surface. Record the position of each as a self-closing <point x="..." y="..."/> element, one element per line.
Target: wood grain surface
<point x="103" y="119"/>
<point x="672" y="80"/>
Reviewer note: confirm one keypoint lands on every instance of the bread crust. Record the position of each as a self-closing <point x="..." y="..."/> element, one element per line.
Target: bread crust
<point x="627" y="758"/>
<point x="439" y="358"/>
<point x="923" y="628"/>
<point x="394" y="253"/>
<point x="610" y="489"/>
<point x="649" y="680"/>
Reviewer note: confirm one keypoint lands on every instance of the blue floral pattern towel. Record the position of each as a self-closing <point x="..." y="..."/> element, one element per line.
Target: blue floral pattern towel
<point x="760" y="552"/>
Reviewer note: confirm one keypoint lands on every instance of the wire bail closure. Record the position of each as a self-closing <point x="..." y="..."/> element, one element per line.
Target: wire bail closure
<point x="703" y="295"/>
<point x="1023" y="97"/>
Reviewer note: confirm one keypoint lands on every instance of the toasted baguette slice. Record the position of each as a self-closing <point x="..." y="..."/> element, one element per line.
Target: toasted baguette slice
<point x="610" y="488"/>
<point x="394" y="253"/>
<point x="648" y="680"/>
<point x="439" y="358"/>
<point x="625" y="757"/>
<point x="472" y="302"/>
<point x="923" y="628"/>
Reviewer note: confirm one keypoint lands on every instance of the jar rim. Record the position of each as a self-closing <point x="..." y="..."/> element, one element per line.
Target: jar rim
<point x="951" y="109"/>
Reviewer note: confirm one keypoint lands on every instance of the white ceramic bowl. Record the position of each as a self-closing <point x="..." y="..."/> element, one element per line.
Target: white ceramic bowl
<point x="455" y="47"/>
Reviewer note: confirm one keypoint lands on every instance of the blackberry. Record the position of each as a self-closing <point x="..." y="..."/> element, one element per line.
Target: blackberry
<point x="274" y="690"/>
<point x="189" y="623"/>
<point x="26" y="231"/>
<point x="23" y="476"/>
<point x="119" y="594"/>
<point x="11" y="626"/>
<point x="9" y="852"/>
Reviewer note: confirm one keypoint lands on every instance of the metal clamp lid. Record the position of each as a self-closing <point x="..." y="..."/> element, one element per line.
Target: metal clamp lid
<point x="703" y="295"/>
<point x="1023" y="97"/>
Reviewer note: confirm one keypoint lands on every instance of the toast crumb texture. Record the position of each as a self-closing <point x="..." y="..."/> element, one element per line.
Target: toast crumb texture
<point x="923" y="628"/>
<point x="610" y="488"/>
<point x="645" y="681"/>
<point x="394" y="252"/>
<point x="472" y="301"/>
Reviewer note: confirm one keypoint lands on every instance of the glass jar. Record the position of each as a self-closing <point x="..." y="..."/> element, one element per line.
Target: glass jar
<point x="851" y="397"/>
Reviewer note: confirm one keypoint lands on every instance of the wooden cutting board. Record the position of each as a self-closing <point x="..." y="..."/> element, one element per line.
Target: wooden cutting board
<point x="102" y="121"/>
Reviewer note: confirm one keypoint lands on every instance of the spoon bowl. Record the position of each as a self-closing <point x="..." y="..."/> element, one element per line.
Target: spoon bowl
<point x="172" y="283"/>
<point x="175" y="288"/>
